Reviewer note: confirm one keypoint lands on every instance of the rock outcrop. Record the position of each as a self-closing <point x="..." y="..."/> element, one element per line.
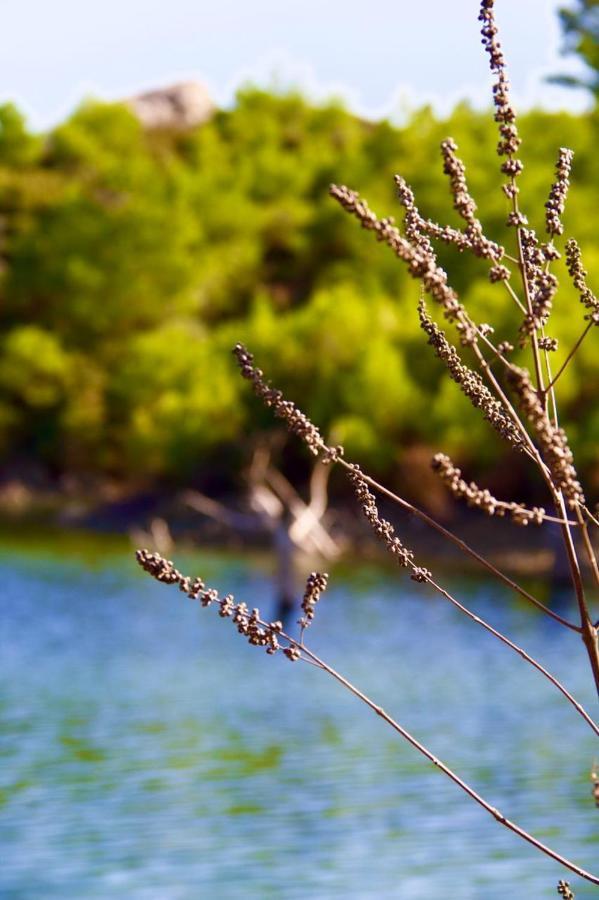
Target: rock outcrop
<point x="178" y="106"/>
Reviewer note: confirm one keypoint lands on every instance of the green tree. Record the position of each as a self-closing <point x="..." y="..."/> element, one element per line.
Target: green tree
<point x="580" y="26"/>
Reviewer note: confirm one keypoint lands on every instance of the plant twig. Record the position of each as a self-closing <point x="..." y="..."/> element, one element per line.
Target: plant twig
<point x="462" y="545"/>
<point x="569" y="356"/>
<point x="268" y="634"/>
<point x="497" y="815"/>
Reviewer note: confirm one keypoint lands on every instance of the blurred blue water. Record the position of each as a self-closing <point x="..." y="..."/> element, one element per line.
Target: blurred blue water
<point x="148" y="752"/>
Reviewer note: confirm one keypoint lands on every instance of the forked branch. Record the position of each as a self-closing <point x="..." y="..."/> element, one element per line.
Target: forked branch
<point x="272" y="637"/>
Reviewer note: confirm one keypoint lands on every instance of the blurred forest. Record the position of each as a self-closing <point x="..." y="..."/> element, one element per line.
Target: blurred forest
<point x="132" y="260"/>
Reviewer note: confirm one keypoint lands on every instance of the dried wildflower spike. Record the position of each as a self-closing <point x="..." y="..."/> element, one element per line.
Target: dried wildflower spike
<point x="316" y="585"/>
<point x="381" y="527"/>
<point x="559" y="191"/>
<point x="415" y="226"/>
<point x="470" y="383"/>
<point x="463" y="203"/>
<point x="455" y="169"/>
<point x="418" y="229"/>
<point x="480" y="498"/>
<point x="297" y="423"/>
<point x="578" y="274"/>
<point x="499" y="273"/>
<point x="250" y="625"/>
<point x="505" y="115"/>
<point x="421" y="260"/>
<point x="542" y="284"/>
<point x="553" y="441"/>
<point x="564" y="890"/>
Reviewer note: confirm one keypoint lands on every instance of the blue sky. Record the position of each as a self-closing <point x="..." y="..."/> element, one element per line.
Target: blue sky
<point x="382" y="56"/>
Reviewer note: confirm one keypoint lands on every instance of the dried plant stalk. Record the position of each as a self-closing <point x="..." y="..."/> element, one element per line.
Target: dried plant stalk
<point x="523" y="412"/>
<point x="272" y="636"/>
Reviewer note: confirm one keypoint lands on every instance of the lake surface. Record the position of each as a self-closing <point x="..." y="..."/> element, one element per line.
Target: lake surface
<point x="148" y="752"/>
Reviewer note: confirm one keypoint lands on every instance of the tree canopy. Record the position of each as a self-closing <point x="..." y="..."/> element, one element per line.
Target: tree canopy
<point x="132" y="261"/>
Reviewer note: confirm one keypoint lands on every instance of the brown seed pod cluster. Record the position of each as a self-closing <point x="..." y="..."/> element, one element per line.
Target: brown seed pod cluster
<point x="470" y="383"/>
<point x="564" y="890"/>
<point x="381" y="527"/>
<point x="417" y="227"/>
<point x="553" y="441"/>
<point x="499" y="273"/>
<point x="505" y="115"/>
<point x="248" y="623"/>
<point x="556" y="203"/>
<point x="421" y="260"/>
<point x="481" y="498"/>
<point x="297" y="422"/>
<point x="542" y="285"/>
<point x="316" y="584"/>
<point x="578" y="274"/>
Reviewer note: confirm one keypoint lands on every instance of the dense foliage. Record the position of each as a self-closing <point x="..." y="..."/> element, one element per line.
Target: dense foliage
<point x="132" y="261"/>
<point x="580" y="27"/>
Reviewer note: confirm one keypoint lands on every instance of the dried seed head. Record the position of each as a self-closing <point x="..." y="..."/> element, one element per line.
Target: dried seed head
<point x="542" y="285"/>
<point x="505" y="347"/>
<point x="481" y="498"/>
<point x="316" y="585"/>
<point x="420" y="258"/>
<point x="505" y="114"/>
<point x="548" y="343"/>
<point x="381" y="527"/>
<point x="559" y="191"/>
<point x="499" y="273"/>
<point x="420" y="574"/>
<point x="578" y="274"/>
<point x="250" y="625"/>
<point x="553" y="441"/>
<point x="470" y="383"/>
<point x="297" y="423"/>
<point x="455" y="169"/>
<point x="564" y="890"/>
<point x="418" y="229"/>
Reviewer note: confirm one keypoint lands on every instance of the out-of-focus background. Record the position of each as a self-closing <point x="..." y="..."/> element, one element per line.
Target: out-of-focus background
<point x="164" y="173"/>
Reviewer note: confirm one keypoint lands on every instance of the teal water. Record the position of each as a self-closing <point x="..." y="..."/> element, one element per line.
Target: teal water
<point x="148" y="752"/>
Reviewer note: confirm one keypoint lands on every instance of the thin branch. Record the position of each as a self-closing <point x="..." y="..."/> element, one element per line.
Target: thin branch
<point x="588" y="545"/>
<point x="521" y="652"/>
<point x="513" y="293"/>
<point x="405" y="557"/>
<point x="512" y="259"/>
<point x="590" y="515"/>
<point x="570" y="355"/>
<point x="164" y="572"/>
<point x="463" y="546"/>
<point x="497" y="815"/>
<point x="526" y="287"/>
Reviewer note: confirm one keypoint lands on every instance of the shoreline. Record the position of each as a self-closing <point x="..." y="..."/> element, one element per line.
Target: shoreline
<point x="163" y="522"/>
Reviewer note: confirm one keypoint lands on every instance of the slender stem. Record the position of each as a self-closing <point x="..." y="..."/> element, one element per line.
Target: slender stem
<point x="549" y="389"/>
<point x="494" y="349"/>
<point x="529" y="445"/>
<point x="570" y="355"/>
<point x="530" y="659"/>
<point x="497" y="815"/>
<point x="589" y="632"/>
<point x="514" y="295"/>
<point x="309" y="656"/>
<point x="464" y="547"/>
<point x="525" y="285"/>
<point x="588" y="545"/>
<point x="590" y="515"/>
